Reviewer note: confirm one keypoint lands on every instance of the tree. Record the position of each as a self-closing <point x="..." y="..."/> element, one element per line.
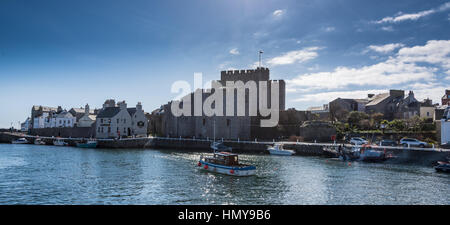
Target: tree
<point x="354" y="118"/>
<point x="376" y="118"/>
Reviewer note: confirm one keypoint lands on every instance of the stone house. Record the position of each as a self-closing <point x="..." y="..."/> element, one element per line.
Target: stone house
<point x="340" y="107"/>
<point x="87" y="119"/>
<point x="41" y="113"/>
<point x="386" y="103"/>
<point x="64" y="119"/>
<point x="115" y="121"/>
<point x="139" y="122"/>
<point x="80" y="112"/>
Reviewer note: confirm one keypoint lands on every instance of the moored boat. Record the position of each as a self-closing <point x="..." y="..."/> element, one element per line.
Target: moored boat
<point x="226" y="163"/>
<point x="87" y="144"/>
<point x="443" y="167"/>
<point x="20" y="141"/>
<point x="219" y="146"/>
<point x="60" y="142"/>
<point x="369" y="154"/>
<point x="278" y="149"/>
<point x="39" y="141"/>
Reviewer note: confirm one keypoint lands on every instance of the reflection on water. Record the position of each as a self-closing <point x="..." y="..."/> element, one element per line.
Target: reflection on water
<point x="32" y="174"/>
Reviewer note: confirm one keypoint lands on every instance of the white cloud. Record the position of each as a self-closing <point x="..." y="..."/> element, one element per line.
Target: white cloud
<point x="388" y="28"/>
<point x="400" y="69"/>
<point x="291" y="57"/>
<point x="412" y="16"/>
<point x="329" y="29"/>
<point x="385" y="48"/>
<point x="278" y="13"/>
<point x="234" y="51"/>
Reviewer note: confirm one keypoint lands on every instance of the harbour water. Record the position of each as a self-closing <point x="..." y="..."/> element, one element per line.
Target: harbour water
<point x="32" y="174"/>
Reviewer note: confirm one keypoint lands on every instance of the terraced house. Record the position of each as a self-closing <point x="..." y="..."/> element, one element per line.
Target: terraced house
<point x="115" y="121"/>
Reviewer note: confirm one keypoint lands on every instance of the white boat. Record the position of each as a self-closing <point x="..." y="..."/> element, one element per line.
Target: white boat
<point x="39" y="141"/>
<point x="219" y="146"/>
<point x="226" y="163"/>
<point x="20" y="141"/>
<point x="277" y="149"/>
<point x="59" y="142"/>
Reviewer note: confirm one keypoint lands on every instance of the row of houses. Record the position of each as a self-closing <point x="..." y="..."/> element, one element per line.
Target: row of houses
<point x="393" y="105"/>
<point x="111" y="121"/>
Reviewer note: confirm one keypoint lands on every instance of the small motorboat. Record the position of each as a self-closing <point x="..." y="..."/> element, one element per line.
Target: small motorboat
<point x="219" y="146"/>
<point x="87" y="144"/>
<point x="277" y="149"/>
<point x="20" y="141"/>
<point x="39" y="141"/>
<point x="443" y="167"/>
<point x="226" y="163"/>
<point x="369" y="154"/>
<point x="60" y="142"/>
<point x="364" y="153"/>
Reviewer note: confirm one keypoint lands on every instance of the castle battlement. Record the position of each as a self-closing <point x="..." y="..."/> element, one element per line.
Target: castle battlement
<point x="258" y="74"/>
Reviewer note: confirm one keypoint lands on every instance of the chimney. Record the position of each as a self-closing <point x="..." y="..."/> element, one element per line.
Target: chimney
<point x="139" y="106"/>
<point x="86" y="109"/>
<point x="59" y="109"/>
<point x="109" y="103"/>
<point x="122" y="105"/>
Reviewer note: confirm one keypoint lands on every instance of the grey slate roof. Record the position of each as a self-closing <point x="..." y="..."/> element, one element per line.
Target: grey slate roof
<point x="378" y="98"/>
<point x="108" y="112"/>
<point x="131" y="111"/>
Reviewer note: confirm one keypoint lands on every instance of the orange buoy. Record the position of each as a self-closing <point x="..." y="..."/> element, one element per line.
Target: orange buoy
<point x="206" y="166"/>
<point x="232" y="171"/>
<point x="349" y="163"/>
<point x="199" y="164"/>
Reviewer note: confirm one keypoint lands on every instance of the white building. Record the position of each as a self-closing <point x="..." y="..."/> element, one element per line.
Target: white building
<point x="87" y="119"/>
<point x="39" y="121"/>
<point x="63" y="119"/>
<point x="118" y="121"/>
<point x="25" y="126"/>
<point x="139" y="122"/>
<point x="113" y="121"/>
<point x="445" y="126"/>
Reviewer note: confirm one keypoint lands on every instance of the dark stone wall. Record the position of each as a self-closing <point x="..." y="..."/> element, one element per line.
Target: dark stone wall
<point x="74" y="132"/>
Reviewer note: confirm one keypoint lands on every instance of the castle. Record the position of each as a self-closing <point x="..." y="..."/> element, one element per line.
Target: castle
<point x="164" y="123"/>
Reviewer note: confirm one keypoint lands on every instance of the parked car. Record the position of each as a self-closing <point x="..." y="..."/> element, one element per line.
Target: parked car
<point x="388" y="142"/>
<point x="413" y="142"/>
<point x="358" y="141"/>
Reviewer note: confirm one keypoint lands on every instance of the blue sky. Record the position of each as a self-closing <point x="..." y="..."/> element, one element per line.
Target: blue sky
<point x="70" y="53"/>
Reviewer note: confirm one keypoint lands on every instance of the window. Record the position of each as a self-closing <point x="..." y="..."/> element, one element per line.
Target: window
<point x="109" y="120"/>
<point x="98" y="129"/>
<point x="101" y="120"/>
<point x="228" y="122"/>
<point x="109" y="129"/>
<point x="102" y="129"/>
<point x="204" y="121"/>
<point x="124" y="130"/>
<point x="117" y="120"/>
<point x="124" y="120"/>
